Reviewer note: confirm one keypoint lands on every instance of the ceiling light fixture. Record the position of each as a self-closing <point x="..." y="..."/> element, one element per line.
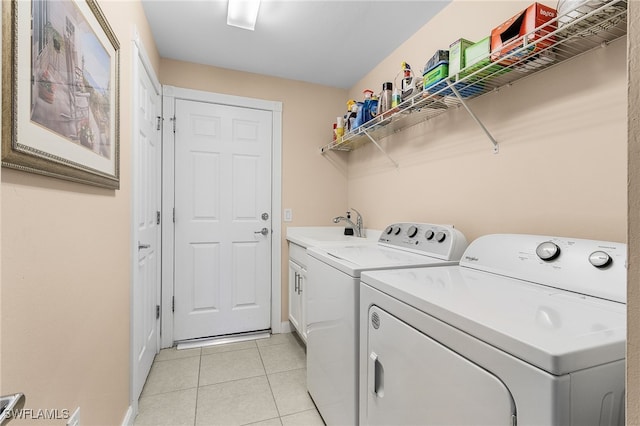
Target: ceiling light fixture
<point x="243" y="13"/>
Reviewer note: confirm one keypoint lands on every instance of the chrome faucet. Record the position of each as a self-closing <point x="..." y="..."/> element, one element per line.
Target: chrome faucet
<point x="357" y="227"/>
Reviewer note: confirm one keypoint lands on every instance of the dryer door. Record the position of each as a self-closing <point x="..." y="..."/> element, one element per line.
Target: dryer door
<point x="412" y="379"/>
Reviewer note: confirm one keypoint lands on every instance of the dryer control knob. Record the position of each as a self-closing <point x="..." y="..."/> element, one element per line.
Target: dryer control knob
<point x="600" y="259"/>
<point x="548" y="250"/>
<point x="429" y="235"/>
<point x="388" y="230"/>
<point x="398" y="229"/>
<point x="441" y="236"/>
<point x="412" y="231"/>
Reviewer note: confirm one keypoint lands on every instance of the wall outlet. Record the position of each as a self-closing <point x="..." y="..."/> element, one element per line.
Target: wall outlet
<point x="74" y="419"/>
<point x="288" y="215"/>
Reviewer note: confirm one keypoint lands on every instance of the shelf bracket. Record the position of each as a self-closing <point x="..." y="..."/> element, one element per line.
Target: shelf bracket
<point x="379" y="147"/>
<point x="473" y="115"/>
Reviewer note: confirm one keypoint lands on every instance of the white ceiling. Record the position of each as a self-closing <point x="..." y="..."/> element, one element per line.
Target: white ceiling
<point x="330" y="42"/>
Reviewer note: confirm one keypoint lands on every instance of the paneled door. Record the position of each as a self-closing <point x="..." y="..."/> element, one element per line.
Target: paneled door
<point x="222" y="219"/>
<point x="147" y="198"/>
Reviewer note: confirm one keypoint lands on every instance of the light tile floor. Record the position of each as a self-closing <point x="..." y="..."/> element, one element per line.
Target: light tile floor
<point x="261" y="382"/>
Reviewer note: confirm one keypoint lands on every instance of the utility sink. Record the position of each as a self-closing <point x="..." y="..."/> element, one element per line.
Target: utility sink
<point x="321" y="237"/>
<point x="310" y="236"/>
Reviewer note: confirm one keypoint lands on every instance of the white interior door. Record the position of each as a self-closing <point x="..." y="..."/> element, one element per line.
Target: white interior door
<point x="222" y="219"/>
<point x="147" y="199"/>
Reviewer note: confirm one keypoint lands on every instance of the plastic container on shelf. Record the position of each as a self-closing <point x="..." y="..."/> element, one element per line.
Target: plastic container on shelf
<point x="608" y="17"/>
<point x="476" y="57"/>
<point x="435" y="74"/>
<point x="456" y="56"/>
<point x="437" y="58"/>
<point x="386" y="98"/>
<point x="434" y="83"/>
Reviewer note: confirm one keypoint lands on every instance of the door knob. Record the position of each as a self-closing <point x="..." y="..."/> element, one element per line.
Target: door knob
<point x="263" y="231"/>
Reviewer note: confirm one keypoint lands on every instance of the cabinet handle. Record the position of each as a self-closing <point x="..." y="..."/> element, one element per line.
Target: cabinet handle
<point x="295" y="285"/>
<point x="300" y="284"/>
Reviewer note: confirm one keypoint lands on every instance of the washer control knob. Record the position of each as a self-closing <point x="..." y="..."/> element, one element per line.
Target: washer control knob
<point x="429" y="235"/>
<point x="548" y="250"/>
<point x="600" y="259"/>
<point x="440" y="236"/>
<point x="412" y="231"/>
<point x="398" y="230"/>
<point x="389" y="230"/>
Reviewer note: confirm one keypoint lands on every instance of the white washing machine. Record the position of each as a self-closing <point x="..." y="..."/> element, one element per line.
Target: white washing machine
<point x="527" y="330"/>
<point x="333" y="277"/>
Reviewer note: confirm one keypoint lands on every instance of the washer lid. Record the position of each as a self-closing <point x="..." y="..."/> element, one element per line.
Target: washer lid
<point x="555" y="330"/>
<point x="352" y="260"/>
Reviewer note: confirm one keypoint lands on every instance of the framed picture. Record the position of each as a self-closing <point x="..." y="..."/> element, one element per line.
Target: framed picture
<point x="60" y="83"/>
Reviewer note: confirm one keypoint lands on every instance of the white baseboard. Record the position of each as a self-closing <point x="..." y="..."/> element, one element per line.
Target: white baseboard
<point x="285" y="327"/>
<point x="128" y="418"/>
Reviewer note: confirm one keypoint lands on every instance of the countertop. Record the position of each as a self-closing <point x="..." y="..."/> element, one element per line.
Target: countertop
<point x="313" y="236"/>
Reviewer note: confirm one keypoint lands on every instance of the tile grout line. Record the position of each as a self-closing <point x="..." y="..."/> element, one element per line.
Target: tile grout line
<point x="269" y="383"/>
<point x="155" y="362"/>
<point x="199" y="371"/>
<point x="195" y="411"/>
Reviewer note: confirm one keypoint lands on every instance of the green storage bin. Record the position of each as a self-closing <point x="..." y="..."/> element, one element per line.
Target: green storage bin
<point x="477" y="52"/>
<point x="439" y="73"/>
<point x="456" y="56"/>
<point x="476" y="56"/>
<point x="493" y="71"/>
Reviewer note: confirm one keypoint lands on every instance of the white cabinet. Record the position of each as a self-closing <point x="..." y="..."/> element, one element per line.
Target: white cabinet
<point x="297" y="277"/>
<point x="297" y="284"/>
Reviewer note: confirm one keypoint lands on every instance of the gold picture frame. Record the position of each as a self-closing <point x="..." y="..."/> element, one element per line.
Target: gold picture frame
<point x="60" y="83"/>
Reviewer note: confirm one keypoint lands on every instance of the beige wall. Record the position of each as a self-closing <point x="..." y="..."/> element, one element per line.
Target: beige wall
<point x="633" y="300"/>
<point x="313" y="186"/>
<point x="66" y="273"/>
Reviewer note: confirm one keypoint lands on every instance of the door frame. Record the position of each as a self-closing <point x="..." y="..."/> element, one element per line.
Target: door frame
<point x="139" y="55"/>
<point x="169" y="95"/>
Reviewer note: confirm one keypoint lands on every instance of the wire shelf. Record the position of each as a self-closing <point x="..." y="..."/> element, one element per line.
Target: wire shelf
<point x="578" y="31"/>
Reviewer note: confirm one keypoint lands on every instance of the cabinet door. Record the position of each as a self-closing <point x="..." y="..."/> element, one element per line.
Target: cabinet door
<point x="414" y="380"/>
<point x="295" y="305"/>
<point x="302" y="288"/>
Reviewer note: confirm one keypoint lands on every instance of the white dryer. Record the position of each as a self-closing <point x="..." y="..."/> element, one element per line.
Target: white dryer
<point x="333" y="279"/>
<point x="527" y="330"/>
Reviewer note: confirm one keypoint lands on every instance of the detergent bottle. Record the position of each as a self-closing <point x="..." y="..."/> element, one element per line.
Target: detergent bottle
<point x="368" y="109"/>
<point x="350" y="116"/>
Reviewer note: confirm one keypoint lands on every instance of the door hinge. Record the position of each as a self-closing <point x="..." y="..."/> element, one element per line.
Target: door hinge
<point x="159" y="120"/>
<point x="158" y="217"/>
<point x="174" y="215"/>
<point x="173" y="119"/>
<point x="157" y="311"/>
<point x="173" y="303"/>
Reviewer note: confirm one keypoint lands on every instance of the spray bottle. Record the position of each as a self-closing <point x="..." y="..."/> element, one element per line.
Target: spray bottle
<point x="407" y="81"/>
